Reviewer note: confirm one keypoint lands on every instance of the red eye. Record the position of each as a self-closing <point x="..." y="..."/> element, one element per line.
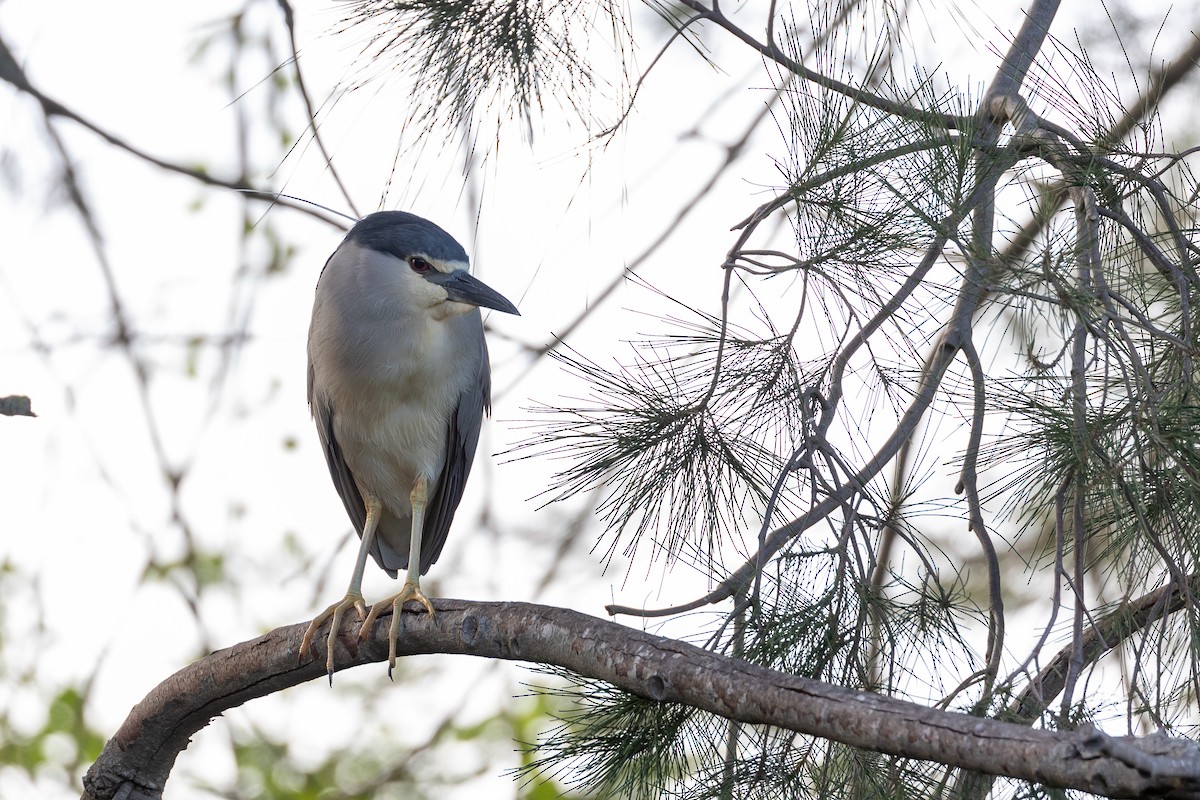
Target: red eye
<point x="419" y="265"/>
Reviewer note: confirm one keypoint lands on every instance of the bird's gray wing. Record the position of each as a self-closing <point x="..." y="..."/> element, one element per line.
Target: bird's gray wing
<point x="462" y="435"/>
<point x="343" y="479"/>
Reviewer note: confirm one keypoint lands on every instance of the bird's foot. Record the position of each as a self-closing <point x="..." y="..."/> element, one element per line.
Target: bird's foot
<point x="410" y="591"/>
<point x="351" y="600"/>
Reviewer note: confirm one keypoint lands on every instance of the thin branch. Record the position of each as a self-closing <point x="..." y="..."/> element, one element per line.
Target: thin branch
<point x="1108" y="632"/>
<point x="958" y="330"/>
<point x="1023" y="50"/>
<point x="289" y="21"/>
<point x="680" y="31"/>
<point x="11" y="72"/>
<point x="1162" y="81"/>
<point x="969" y="484"/>
<point x="732" y="153"/>
<point x="770" y="51"/>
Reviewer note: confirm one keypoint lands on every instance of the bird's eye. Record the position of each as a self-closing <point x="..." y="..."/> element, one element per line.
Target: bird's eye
<point x="419" y="265"/>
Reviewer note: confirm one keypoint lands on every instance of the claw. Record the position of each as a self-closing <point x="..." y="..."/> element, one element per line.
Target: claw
<point x="410" y="591"/>
<point x="335" y="611"/>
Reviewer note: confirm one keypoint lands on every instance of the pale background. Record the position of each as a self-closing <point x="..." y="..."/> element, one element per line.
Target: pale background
<point x="550" y="220"/>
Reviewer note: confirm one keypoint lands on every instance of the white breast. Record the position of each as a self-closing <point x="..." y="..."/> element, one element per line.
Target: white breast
<point x="391" y="371"/>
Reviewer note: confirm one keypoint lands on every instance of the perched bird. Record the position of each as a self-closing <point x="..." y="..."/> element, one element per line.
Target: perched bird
<point x="398" y="383"/>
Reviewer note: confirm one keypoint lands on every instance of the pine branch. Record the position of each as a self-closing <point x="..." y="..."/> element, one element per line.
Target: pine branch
<point x="137" y="761"/>
<point x="1108" y="633"/>
<point x="770" y="51"/>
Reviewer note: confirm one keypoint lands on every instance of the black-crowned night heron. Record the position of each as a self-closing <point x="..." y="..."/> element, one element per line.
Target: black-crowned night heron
<point x="398" y="383"/>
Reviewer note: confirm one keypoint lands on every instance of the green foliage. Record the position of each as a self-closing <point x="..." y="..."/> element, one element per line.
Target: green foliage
<point x="263" y="770"/>
<point x="683" y="459"/>
<point x="64" y="741"/>
<point x="1071" y="402"/>
<point x="374" y="765"/>
<point x="615" y="744"/>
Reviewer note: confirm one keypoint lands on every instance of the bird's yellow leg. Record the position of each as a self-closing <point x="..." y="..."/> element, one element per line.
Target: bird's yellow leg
<point x="411" y="590"/>
<point x="353" y="598"/>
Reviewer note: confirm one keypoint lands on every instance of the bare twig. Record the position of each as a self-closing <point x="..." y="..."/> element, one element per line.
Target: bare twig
<point x="11" y="72"/>
<point x="289" y="20"/>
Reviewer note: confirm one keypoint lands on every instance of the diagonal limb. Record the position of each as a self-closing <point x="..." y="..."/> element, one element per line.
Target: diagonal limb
<point x="412" y="581"/>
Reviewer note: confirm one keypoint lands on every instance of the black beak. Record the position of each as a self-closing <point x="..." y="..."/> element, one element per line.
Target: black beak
<point x="462" y="287"/>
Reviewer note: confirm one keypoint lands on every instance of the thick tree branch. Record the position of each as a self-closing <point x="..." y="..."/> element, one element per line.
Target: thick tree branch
<point x="137" y="761"/>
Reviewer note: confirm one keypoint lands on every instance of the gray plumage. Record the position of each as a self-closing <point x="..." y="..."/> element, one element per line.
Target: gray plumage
<point x="398" y="379"/>
<point x="398" y="383"/>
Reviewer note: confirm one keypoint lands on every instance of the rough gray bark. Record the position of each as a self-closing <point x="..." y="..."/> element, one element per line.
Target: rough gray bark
<point x="137" y="761"/>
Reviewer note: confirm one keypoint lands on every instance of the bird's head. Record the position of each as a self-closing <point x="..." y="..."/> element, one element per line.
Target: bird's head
<point x="425" y="264"/>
